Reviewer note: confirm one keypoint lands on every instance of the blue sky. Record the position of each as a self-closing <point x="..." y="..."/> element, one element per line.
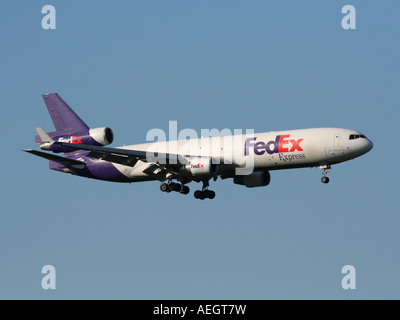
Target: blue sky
<point x="136" y="65"/>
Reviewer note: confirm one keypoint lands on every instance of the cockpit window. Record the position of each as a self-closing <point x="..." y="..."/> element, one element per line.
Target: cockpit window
<point x="356" y="136"/>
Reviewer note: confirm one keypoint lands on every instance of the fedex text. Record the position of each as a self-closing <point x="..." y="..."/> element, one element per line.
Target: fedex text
<point x="281" y="144"/>
<point x="73" y="139"/>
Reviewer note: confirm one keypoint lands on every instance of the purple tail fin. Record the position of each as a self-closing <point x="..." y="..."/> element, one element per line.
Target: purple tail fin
<point x="64" y="118"/>
<point x="70" y="128"/>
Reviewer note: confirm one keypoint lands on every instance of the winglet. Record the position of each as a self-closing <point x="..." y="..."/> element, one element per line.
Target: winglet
<point x="44" y="136"/>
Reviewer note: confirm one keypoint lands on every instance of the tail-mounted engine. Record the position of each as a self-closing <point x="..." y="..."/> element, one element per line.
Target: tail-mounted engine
<point x="95" y="137"/>
<point x="103" y="136"/>
<point x="255" y="179"/>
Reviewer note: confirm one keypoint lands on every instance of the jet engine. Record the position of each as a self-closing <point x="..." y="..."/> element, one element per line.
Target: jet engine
<point x="255" y="179"/>
<point x="201" y="167"/>
<point x="103" y="136"/>
<point x="95" y="137"/>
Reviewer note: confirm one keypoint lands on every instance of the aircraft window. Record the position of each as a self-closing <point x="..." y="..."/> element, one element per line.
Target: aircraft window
<point x="356" y="136"/>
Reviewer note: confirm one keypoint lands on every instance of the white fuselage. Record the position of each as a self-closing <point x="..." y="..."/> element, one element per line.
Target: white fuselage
<point x="264" y="151"/>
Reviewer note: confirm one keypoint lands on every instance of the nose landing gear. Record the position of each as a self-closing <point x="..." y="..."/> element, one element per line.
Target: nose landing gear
<point x="324" y="178"/>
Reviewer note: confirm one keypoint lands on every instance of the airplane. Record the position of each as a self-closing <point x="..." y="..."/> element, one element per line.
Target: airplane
<point x="184" y="161"/>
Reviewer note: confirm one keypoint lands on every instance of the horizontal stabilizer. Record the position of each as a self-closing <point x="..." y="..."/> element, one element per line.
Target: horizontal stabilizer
<point x="44" y="136"/>
<point x="65" y="161"/>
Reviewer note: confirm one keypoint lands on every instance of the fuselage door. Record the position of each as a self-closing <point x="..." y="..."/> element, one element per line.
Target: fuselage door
<point x="336" y="141"/>
<point x="336" y="148"/>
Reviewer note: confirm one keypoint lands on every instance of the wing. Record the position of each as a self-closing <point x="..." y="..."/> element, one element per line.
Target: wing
<point x="66" y="161"/>
<point x="125" y="156"/>
<point x="162" y="166"/>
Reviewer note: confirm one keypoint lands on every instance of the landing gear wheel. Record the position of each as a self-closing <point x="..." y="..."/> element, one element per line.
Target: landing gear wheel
<point x="164" y="187"/>
<point x="211" y="194"/>
<point x="184" y="189"/>
<point x="325" y="180"/>
<point x="199" y="194"/>
<point x="206" y="194"/>
<point x="174" y="186"/>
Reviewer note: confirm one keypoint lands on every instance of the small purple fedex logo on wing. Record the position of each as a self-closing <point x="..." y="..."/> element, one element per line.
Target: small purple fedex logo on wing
<point x="197" y="166"/>
<point x="281" y="144"/>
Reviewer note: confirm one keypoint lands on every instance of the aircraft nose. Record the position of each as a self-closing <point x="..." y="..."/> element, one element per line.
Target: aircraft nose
<point x="367" y="146"/>
<point x="370" y="145"/>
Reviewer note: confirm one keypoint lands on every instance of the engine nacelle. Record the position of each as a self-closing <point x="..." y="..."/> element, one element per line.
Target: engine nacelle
<point x="201" y="167"/>
<point x="255" y="179"/>
<point x="94" y="137"/>
<point x="103" y="136"/>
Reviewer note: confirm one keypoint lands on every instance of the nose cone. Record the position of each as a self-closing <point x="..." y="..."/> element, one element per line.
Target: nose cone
<point x="370" y="145"/>
<point x="367" y="146"/>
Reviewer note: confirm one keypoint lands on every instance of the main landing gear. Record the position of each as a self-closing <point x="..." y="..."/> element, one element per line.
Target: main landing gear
<point x="172" y="186"/>
<point x="204" y="193"/>
<point x="324" y="178"/>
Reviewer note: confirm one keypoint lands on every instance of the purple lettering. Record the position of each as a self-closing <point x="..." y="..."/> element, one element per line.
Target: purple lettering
<point x="274" y="144"/>
<point x="249" y="142"/>
<point x="259" y="148"/>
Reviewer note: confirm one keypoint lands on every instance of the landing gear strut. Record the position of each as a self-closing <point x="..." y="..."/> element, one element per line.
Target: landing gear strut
<point x="204" y="193"/>
<point x="324" y="178"/>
